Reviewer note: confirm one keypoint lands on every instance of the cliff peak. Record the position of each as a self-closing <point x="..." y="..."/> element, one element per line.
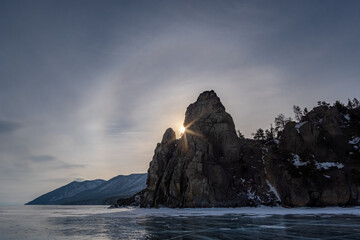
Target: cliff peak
<point x="168" y="137"/>
<point x="315" y="162"/>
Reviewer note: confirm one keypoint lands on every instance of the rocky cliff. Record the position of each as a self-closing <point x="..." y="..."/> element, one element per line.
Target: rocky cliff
<point x="315" y="162"/>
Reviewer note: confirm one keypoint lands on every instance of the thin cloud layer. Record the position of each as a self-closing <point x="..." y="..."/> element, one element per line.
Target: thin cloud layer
<point x="42" y="158"/>
<point x="7" y="127"/>
<point x="91" y="87"/>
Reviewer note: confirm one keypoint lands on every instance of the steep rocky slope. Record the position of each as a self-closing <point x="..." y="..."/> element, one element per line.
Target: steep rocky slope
<point x="312" y="163"/>
<point x="317" y="161"/>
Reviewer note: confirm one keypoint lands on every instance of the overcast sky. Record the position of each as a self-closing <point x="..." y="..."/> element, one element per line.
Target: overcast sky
<point x="87" y="88"/>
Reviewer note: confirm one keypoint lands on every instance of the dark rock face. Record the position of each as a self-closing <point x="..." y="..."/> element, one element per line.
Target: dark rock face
<point x="317" y="161"/>
<point x="209" y="165"/>
<point x="313" y="163"/>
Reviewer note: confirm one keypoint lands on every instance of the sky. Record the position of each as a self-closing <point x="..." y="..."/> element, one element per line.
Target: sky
<point x="87" y="88"/>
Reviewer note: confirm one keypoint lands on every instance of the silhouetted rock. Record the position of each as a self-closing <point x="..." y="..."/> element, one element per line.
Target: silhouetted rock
<point x="208" y="165"/>
<point x="133" y="201"/>
<point x="313" y="163"/>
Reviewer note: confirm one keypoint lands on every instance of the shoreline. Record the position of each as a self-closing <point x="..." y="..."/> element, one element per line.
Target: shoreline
<point x="262" y="211"/>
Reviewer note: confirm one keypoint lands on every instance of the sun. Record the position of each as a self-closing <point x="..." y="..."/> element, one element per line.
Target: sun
<point x="182" y="129"/>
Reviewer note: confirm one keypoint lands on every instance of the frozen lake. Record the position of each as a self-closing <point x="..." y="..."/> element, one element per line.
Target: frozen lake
<point x="98" y="222"/>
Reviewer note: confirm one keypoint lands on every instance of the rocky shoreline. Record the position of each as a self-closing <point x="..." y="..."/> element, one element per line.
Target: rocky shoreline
<point x="313" y="162"/>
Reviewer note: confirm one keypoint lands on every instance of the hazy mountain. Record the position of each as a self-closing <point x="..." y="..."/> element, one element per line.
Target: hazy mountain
<point x="58" y="195"/>
<point x="94" y="192"/>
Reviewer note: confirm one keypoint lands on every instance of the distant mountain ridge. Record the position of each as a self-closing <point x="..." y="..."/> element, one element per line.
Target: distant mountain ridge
<point x="94" y="192"/>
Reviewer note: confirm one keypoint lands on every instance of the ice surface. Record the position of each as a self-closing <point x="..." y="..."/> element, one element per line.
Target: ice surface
<point x="261" y="211"/>
<point x="100" y="223"/>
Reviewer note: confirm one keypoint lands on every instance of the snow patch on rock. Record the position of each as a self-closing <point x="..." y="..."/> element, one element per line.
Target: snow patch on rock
<point x="253" y="195"/>
<point x="272" y="189"/>
<point x="296" y="160"/>
<point x="347" y="117"/>
<point x="355" y="140"/>
<point x="299" y="125"/>
<point x="327" y="165"/>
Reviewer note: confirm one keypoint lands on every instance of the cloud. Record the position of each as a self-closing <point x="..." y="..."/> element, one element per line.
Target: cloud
<point x="79" y="179"/>
<point x="42" y="158"/>
<point x="70" y="165"/>
<point x="7" y="127"/>
<point x="53" y="162"/>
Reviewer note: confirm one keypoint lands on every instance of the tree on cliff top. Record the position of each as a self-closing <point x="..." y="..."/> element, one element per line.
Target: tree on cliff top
<point x="259" y="135"/>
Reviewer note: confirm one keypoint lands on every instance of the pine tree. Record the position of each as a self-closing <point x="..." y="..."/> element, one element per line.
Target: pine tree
<point x="280" y="122"/>
<point x="259" y="135"/>
<point x="305" y="112"/>
<point x="240" y="135"/>
<point x="340" y="106"/>
<point x="272" y="130"/>
<point x="355" y="103"/>
<point x="323" y="103"/>
<point x="268" y="135"/>
<point x="298" y="113"/>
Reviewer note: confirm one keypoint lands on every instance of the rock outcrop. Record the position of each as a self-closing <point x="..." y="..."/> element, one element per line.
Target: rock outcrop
<point x="209" y="166"/>
<point x="317" y="161"/>
<point x="313" y="163"/>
